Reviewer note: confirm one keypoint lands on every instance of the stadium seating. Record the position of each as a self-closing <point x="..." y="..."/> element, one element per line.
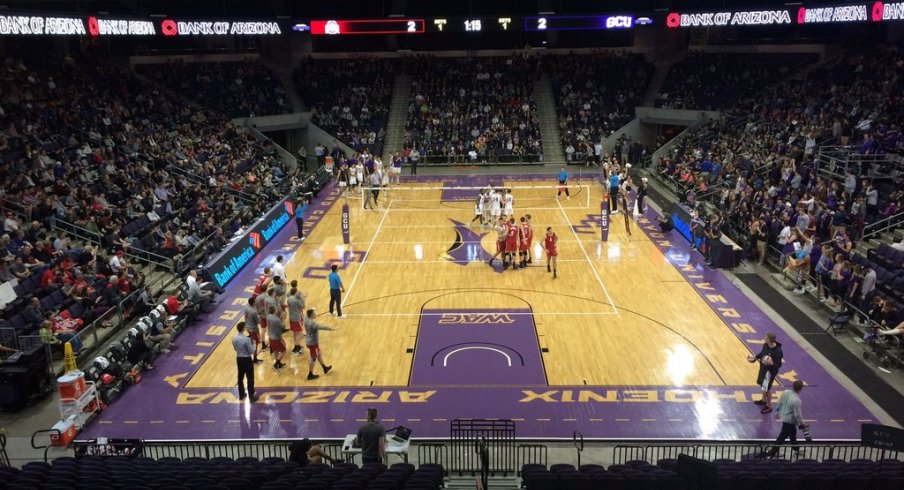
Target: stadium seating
<point x="713" y="80"/>
<point x="747" y="473"/>
<point x="349" y="98"/>
<point x="474" y="110"/>
<point x="133" y="167"/>
<point x="753" y="165"/>
<point x="595" y="95"/>
<point x="120" y="472"/>
<point x="238" y="89"/>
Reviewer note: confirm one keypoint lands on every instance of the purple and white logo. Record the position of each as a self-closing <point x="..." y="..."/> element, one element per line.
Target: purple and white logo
<point x="467" y="246"/>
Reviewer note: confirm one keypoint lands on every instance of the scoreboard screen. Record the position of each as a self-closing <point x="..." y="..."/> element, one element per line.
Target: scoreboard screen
<point x="379" y="26"/>
<point x="578" y="23"/>
<point x="473" y="24"/>
<point x="476" y="24"/>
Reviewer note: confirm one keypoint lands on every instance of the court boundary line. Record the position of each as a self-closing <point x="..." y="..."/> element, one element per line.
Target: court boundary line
<point x="446" y="242"/>
<point x="445" y="227"/>
<point x="348" y="291"/>
<point x="589" y="262"/>
<point x="522" y="208"/>
<point x="550" y="313"/>
<point x="432" y="261"/>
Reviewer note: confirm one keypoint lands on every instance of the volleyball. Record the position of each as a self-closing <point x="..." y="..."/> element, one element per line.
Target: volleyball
<point x="767" y="360"/>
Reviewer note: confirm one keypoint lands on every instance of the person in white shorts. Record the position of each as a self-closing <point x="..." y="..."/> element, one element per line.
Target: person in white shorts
<point x="359" y="174"/>
<point x="509" y="203"/>
<point x="496" y="205"/>
<point x="479" y="208"/>
<point x="352" y="177"/>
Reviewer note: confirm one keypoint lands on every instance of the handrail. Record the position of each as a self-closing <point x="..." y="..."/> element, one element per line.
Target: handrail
<point x="874" y="228"/>
<point x="578" y="441"/>
<point x="4" y="458"/>
<point x="440" y="159"/>
<point x="78" y="231"/>
<point x="45" y="447"/>
<point x="15" y="206"/>
<point x="484" y="457"/>
<point x="119" y="310"/>
<point x="193" y="253"/>
<point x="703" y="449"/>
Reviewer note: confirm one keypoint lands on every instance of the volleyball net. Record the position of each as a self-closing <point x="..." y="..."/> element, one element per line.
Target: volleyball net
<point x="435" y="197"/>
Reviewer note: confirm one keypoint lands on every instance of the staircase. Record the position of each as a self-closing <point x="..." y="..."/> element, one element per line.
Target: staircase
<point x="553" y="152"/>
<point x="283" y="73"/>
<point x="493" y="483"/>
<point x="398" y="116"/>
<point x="663" y="65"/>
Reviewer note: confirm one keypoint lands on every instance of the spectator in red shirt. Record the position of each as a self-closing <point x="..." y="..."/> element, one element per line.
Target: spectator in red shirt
<point x="48" y="278"/>
<point x="173" y="305"/>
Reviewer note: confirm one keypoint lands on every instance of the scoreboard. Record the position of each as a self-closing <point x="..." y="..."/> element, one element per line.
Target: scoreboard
<point x="477" y="24"/>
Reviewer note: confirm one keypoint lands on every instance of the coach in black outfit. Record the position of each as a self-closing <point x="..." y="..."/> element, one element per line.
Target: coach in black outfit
<point x="244" y="352"/>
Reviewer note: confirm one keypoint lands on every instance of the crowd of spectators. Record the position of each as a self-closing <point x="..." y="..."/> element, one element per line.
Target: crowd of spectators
<point x="762" y="173"/>
<point x="474" y="109"/>
<point x="349" y="98"/>
<point x="237" y="89"/>
<point x="710" y="81"/>
<point x="87" y="144"/>
<point x="595" y="95"/>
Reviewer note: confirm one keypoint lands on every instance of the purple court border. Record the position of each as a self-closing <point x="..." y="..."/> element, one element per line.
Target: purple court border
<point x="539" y="411"/>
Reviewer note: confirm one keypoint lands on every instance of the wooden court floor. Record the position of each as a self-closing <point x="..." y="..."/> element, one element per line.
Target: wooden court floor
<point x="618" y="315"/>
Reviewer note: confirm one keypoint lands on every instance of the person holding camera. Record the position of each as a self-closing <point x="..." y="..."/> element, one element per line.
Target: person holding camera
<point x="790" y="415"/>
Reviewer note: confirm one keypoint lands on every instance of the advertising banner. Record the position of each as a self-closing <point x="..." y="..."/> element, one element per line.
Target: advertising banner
<point x="231" y="261"/>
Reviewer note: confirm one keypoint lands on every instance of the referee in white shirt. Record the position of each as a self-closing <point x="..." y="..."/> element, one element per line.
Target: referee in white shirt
<point x="244" y="351"/>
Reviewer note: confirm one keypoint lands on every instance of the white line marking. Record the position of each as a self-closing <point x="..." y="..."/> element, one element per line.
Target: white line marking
<point x="443" y="261"/>
<point x="536" y="313"/>
<point x="587" y="256"/>
<point x="552" y="187"/>
<point x="520" y="209"/>
<point x="348" y="291"/>
<point x="447" y="226"/>
<point x="508" y="358"/>
<point x="444" y="242"/>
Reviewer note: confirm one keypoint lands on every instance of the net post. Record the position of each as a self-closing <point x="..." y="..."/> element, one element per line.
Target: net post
<point x="345" y="223"/>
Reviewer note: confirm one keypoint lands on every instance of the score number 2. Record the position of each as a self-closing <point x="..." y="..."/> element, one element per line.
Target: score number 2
<point x="541" y="24"/>
<point x="412" y="26"/>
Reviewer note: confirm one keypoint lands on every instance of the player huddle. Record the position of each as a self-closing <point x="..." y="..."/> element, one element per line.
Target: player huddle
<point x="492" y="204"/>
<point x="496" y="208"/>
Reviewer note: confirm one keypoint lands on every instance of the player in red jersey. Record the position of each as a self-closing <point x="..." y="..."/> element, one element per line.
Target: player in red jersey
<point x="501" y="232"/>
<point x="511" y="243"/>
<point x="551" y="244"/>
<point x="530" y="237"/>
<point x="524" y="244"/>
<point x="263" y="282"/>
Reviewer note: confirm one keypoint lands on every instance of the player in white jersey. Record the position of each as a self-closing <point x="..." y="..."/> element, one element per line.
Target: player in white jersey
<point x="496" y="205"/>
<point x="359" y="175"/>
<point x="487" y="215"/>
<point x="479" y="208"/>
<point x="509" y="203"/>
